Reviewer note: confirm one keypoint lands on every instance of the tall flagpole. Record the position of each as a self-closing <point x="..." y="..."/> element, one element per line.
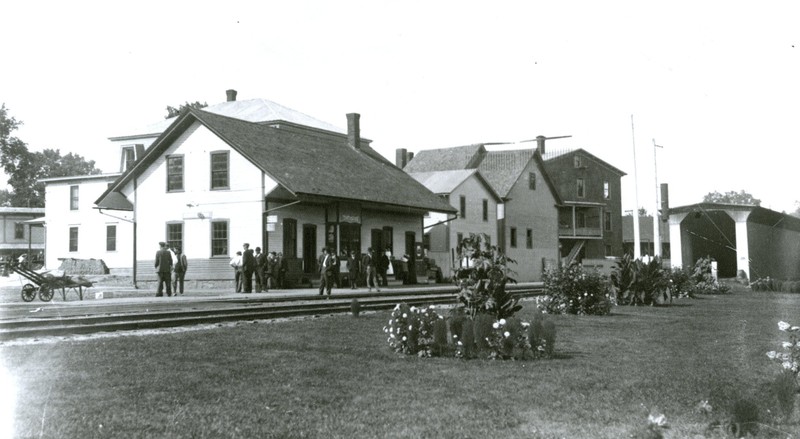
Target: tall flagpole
<point x="656" y="218"/>
<point x="637" y="246"/>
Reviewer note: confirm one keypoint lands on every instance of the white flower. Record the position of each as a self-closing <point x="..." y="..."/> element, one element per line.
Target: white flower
<point x="455" y="336"/>
<point x="410" y="327"/>
<point x="659" y="420"/>
<point x="396" y="307"/>
<point x="431" y="307"/>
<point x="391" y="335"/>
<point x="405" y="315"/>
<point x="506" y="334"/>
<point x="390" y="321"/>
<point x="772" y="355"/>
<point x="787" y="344"/>
<point x="503" y="322"/>
<point x="459" y="343"/>
<point x="525" y="324"/>
<point x="495" y="325"/>
<point x="787" y="365"/>
<point x="783" y="326"/>
<point x="795" y="328"/>
<point x="405" y="338"/>
<point x="413" y="308"/>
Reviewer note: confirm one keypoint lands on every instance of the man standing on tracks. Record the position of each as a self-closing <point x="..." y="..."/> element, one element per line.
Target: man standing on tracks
<point x="163" y="269"/>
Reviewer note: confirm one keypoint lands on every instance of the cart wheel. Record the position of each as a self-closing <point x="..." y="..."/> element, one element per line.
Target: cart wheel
<point x="45" y="293"/>
<point x="28" y="292"/>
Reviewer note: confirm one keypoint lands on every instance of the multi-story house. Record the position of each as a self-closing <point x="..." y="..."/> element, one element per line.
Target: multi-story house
<point x="590" y="213"/>
<point x="20" y="232"/>
<point x="523" y="222"/>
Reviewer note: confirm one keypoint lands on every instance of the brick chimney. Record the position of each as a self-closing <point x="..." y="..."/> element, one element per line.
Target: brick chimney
<point x="231" y="95"/>
<point x="354" y="130"/>
<point x="540" y="144"/>
<point x="400" y="157"/>
<point x="409" y="156"/>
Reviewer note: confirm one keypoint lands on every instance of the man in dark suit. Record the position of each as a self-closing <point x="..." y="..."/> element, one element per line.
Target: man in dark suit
<point x="163" y="269"/>
<point x="248" y="266"/>
<point x="327" y="263"/>
<point x="261" y="264"/>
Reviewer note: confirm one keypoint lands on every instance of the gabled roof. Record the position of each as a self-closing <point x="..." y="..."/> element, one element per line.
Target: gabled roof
<point x="550" y="155"/>
<point x="445" y="182"/>
<point x="446" y="159"/>
<point x="306" y="165"/>
<point x="252" y="110"/>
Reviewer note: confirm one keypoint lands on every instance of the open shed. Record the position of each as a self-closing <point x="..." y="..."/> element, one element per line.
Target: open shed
<point x="757" y="241"/>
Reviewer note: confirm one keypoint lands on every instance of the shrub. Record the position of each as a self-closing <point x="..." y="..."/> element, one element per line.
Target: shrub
<point x="411" y="330"/>
<point x="576" y="291"/>
<point x="680" y="283"/>
<point x="623" y="278"/>
<point x="704" y="281"/>
<point x="652" y="281"/>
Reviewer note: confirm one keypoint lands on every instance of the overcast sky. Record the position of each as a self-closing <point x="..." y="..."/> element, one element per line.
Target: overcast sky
<point x="715" y="83"/>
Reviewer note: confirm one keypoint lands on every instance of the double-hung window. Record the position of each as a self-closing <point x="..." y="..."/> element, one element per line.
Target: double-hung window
<point x="174" y="173"/>
<point x="111" y="238"/>
<point x="219" y="238"/>
<point x="73" y="198"/>
<point x="220" y="170"/>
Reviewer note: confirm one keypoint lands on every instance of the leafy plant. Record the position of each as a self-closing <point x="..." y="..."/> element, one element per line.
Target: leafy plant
<point x="623" y="279"/>
<point x="411" y="330"/>
<point x="483" y="278"/>
<point x="651" y="282"/>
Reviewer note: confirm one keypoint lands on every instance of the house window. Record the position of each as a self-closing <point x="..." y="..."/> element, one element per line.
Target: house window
<point x="580" y="219"/>
<point x="19" y="230"/>
<point x="219" y="238"/>
<point x="73" y="198"/>
<point x="128" y="157"/>
<point x="532" y="181"/>
<point x="606" y="192"/>
<point x="529" y="238"/>
<point x="220" y="170"/>
<point x="607" y="221"/>
<point x="175" y="235"/>
<point x="486" y="210"/>
<point x="581" y="188"/>
<point x="578" y="161"/>
<point x="174" y="173"/>
<point x="350" y="237"/>
<point x="463" y="206"/>
<point x="73" y="239"/>
<point x="111" y="238"/>
<point x="513" y="237"/>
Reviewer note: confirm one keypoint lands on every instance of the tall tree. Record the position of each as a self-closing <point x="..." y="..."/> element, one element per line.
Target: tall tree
<point x="172" y="111"/>
<point x="25" y="168"/>
<point x="731" y="197"/>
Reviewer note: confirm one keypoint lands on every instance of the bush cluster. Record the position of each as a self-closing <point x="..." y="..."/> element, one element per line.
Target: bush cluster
<point x="776" y="285"/>
<point x="574" y="290"/>
<point x="425" y="333"/>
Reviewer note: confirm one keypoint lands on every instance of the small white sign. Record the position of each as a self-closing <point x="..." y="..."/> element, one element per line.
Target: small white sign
<point x="270" y="227"/>
<point x="272" y="219"/>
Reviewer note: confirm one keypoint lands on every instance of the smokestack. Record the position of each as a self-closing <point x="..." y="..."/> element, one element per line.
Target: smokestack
<point x="540" y="144"/>
<point x="354" y="130"/>
<point x="231" y="95"/>
<point x="400" y="157"/>
<point x="409" y="157"/>
<point x="664" y="202"/>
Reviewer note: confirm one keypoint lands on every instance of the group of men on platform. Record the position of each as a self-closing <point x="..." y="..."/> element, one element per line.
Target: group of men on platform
<point x="268" y="269"/>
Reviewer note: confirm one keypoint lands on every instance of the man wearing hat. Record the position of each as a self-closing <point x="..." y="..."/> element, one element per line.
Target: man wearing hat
<point x="164" y="269"/>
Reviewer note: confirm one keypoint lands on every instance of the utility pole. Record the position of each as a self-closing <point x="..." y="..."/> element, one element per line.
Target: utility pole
<point x="637" y="243"/>
<point x="656" y="218"/>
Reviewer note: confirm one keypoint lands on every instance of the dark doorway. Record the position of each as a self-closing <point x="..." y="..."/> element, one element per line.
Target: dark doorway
<point x="376" y="240"/>
<point x="309" y="248"/>
<point x="411" y="252"/>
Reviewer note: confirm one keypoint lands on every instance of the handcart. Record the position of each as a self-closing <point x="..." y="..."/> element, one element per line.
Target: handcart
<point x="46" y="284"/>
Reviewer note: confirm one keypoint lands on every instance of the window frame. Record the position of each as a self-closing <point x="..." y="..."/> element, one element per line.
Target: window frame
<point x="73" y="241"/>
<point x="577" y="161"/>
<point x="226" y="239"/>
<point x="74" y="197"/>
<point x="532" y="181"/>
<point x="606" y="190"/>
<point x="512" y="237"/>
<point x="607" y="220"/>
<point x="485" y="210"/>
<point x="462" y="206"/>
<point x="111" y="240"/>
<point x="126" y="152"/>
<point x="580" y="187"/>
<point x="169" y="234"/>
<point x="171" y="175"/>
<point x="529" y="238"/>
<point x="212" y="172"/>
<point x="19" y="230"/>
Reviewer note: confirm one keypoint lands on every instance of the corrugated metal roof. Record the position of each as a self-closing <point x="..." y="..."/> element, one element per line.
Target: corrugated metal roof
<point x="442" y="182"/>
<point x="251" y="110"/>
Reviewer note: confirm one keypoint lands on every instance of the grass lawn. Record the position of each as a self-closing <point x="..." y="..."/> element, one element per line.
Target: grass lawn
<point x="336" y="377"/>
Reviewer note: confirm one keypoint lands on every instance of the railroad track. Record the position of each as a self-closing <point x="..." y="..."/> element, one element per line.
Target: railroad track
<point x="228" y="311"/>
